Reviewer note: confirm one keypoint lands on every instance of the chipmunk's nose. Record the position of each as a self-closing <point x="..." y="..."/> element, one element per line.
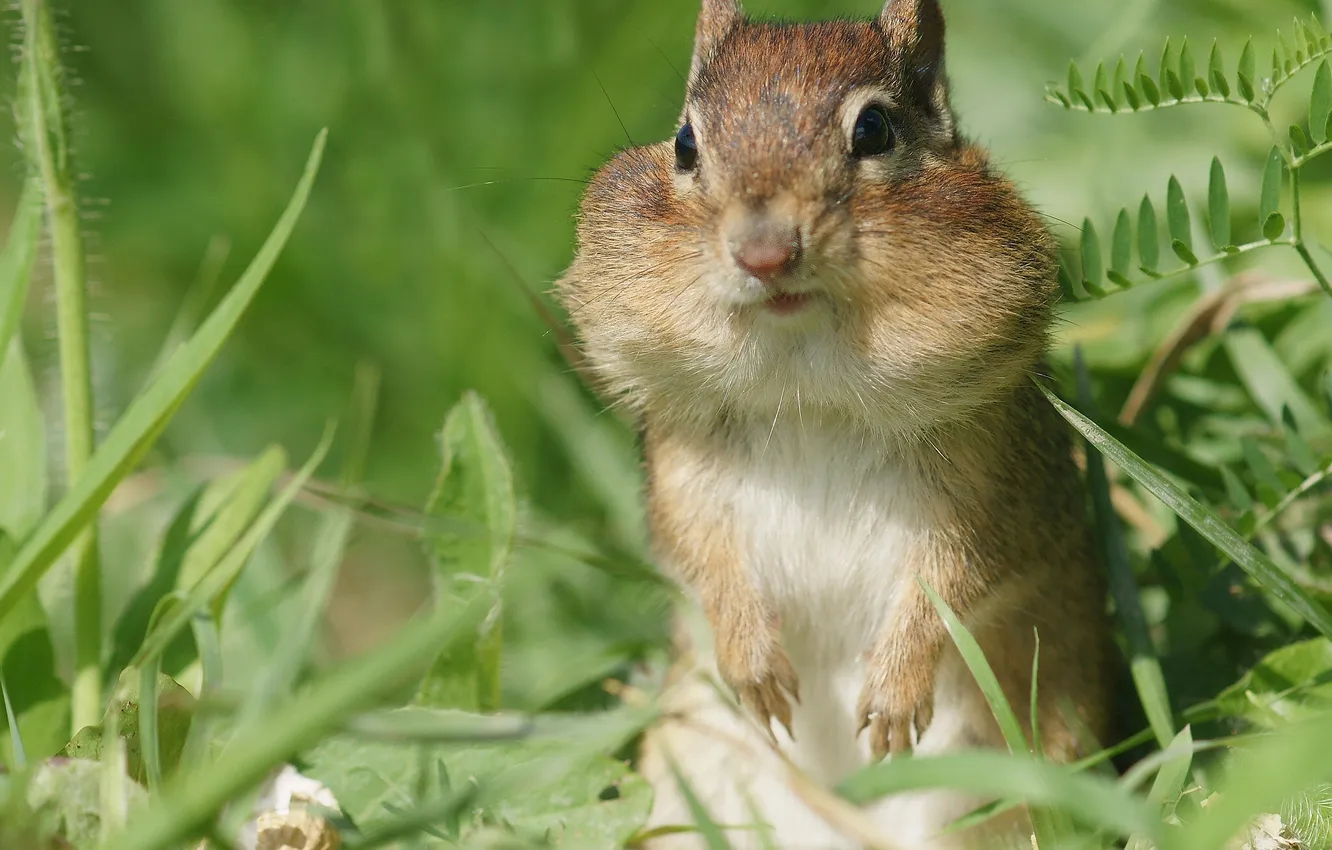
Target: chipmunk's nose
<point x="765" y="248"/>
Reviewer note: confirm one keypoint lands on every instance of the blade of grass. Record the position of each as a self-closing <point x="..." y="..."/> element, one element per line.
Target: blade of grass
<point x="707" y="827"/>
<point x="1148" y="677"/>
<point x="1091" y="799"/>
<point x="214" y="583"/>
<point x="148" y="736"/>
<point x="209" y="646"/>
<point x="981" y="671"/>
<point x="1208" y="524"/>
<point x="15" y="739"/>
<point x="48" y="149"/>
<point x="1169" y="783"/>
<point x="1047" y="826"/>
<point x="188" y="802"/>
<point x="148" y="414"/>
<point x="1034" y="706"/>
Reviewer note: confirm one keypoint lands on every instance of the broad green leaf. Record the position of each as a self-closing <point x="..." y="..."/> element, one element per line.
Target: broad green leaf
<point x="16" y="262"/>
<point x="476" y="484"/>
<point x="175" y="710"/>
<point x="214" y="584"/>
<point x="1259" y="778"/>
<point x="560" y="784"/>
<point x="1218" y="206"/>
<point x="1270" y="196"/>
<point x="1131" y="95"/>
<point x="1289" y="684"/>
<point x="1216" y="71"/>
<point x="1178" y="222"/>
<point x="1247" y="71"/>
<point x="1208" y="524"/>
<point x="1091" y="799"/>
<point x="147" y="414"/>
<point x="1143" y="662"/>
<point x="1320" y="102"/>
<point x="1174" y="84"/>
<point x="72" y="790"/>
<point x="1121" y="249"/>
<point x="1149" y="251"/>
<point x="188" y="803"/>
<point x="1272" y="386"/>
<point x="1092" y="268"/>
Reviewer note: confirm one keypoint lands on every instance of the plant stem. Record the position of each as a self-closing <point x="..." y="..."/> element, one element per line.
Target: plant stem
<point x="1297" y="231"/>
<point x="49" y="145"/>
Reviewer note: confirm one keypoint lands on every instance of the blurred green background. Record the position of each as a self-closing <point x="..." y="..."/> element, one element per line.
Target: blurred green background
<point x="460" y="137"/>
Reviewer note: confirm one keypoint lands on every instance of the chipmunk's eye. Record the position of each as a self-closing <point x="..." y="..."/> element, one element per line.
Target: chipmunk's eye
<point x="873" y="134"/>
<point x="686" y="149"/>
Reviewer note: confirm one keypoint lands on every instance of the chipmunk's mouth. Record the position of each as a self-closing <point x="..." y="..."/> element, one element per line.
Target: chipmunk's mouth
<point x="788" y="303"/>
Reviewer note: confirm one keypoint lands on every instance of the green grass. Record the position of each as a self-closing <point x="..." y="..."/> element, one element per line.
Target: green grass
<point x="437" y="612"/>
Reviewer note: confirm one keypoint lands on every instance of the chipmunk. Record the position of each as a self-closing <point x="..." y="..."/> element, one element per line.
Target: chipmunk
<point x="824" y="308"/>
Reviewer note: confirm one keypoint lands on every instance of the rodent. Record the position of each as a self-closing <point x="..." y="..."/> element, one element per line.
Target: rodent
<point x="824" y="309"/>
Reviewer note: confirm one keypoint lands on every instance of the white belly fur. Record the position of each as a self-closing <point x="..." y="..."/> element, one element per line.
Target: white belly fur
<point x="826" y="533"/>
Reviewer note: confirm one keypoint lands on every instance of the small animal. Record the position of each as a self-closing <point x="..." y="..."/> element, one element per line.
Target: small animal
<point x="825" y="310"/>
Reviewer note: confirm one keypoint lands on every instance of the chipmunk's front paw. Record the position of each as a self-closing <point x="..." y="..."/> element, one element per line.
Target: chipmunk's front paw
<point x="753" y="663"/>
<point x="893" y="706"/>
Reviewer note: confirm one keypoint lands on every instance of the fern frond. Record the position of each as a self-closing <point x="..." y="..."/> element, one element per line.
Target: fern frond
<point x="1178" y="80"/>
<point x="1098" y="280"/>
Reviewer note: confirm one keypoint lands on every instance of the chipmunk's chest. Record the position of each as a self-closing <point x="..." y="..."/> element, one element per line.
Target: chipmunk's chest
<point x="828" y="524"/>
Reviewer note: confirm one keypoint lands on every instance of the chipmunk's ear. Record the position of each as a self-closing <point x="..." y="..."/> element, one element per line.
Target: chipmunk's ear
<point x="715" y="20"/>
<point x="915" y="30"/>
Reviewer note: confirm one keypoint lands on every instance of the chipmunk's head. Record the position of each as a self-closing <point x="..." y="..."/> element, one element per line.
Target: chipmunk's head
<point x="816" y="229"/>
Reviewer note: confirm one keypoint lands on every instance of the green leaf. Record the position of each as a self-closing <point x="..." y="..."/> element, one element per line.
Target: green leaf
<point x="1271" y="385"/>
<point x="1188" y="71"/>
<point x="1149" y="90"/>
<point x="1131" y="96"/>
<point x="1174" y="84"/>
<point x="16" y="262"/>
<point x="147" y="415"/>
<point x="1166" y="68"/>
<point x="35" y="696"/>
<point x="1177" y="219"/>
<point x="1247" y="72"/>
<point x="1121" y="77"/>
<point x="1121" y="248"/>
<point x="549" y="785"/>
<point x="1075" y="90"/>
<point x="981" y="671"/>
<point x="475" y="484"/>
<point x="1101" y="86"/>
<point x="1299" y="142"/>
<point x="1218" y="206"/>
<point x="1290" y="684"/>
<point x="187" y="803"/>
<point x="1263" y="471"/>
<point x="1149" y="250"/>
<point x="1091" y="799"/>
<point x="1169" y="784"/>
<point x="713" y="836"/>
<point x="1236" y="492"/>
<point x="1298" y="452"/>
<point x="175" y="711"/>
<point x="1216" y="71"/>
<point x="1092" y="268"/>
<point x="1270" y="196"/>
<point x="1320" y="102"/>
<point x="1066" y="284"/>
<point x="213" y="585"/>
<point x="22" y="448"/>
<point x="1208" y="524"/>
